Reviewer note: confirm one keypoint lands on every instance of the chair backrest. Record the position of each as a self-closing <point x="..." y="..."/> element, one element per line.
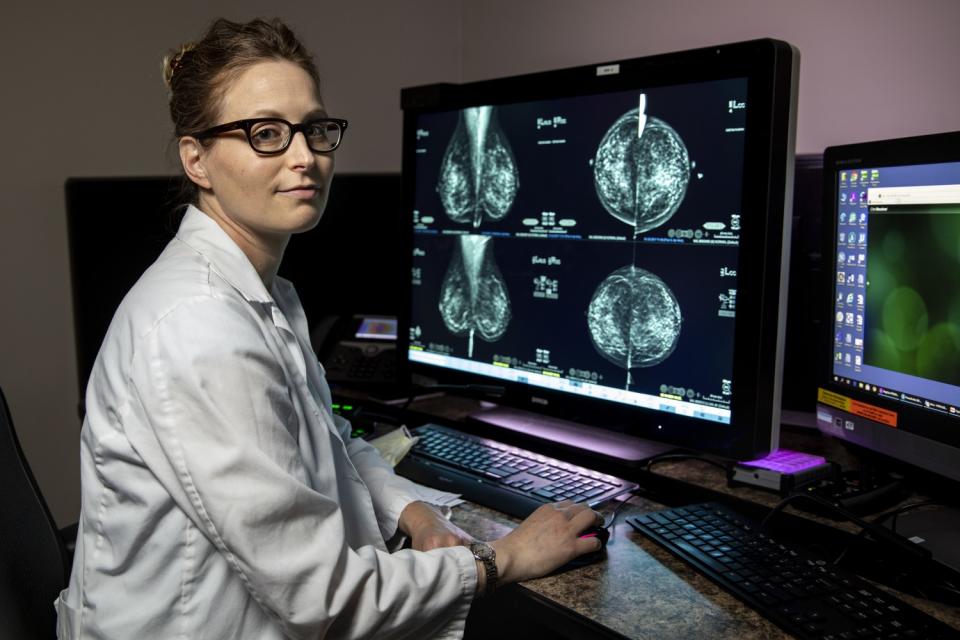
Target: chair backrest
<point x="33" y="560"/>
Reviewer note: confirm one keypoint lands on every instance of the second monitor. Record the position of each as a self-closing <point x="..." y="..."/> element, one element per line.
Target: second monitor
<point x="609" y="241"/>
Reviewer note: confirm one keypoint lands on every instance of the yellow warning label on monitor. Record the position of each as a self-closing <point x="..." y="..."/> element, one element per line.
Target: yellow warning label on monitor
<point x="857" y="408"/>
<point x="833" y="399"/>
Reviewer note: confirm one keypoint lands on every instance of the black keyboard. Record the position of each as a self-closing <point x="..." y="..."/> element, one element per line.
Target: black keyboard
<point x="511" y="480"/>
<point x="802" y="594"/>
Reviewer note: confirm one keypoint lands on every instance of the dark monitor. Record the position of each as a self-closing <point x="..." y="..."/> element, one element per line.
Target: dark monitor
<point x="800" y="372"/>
<point x="118" y="226"/>
<point x="609" y="243"/>
<point x="890" y="377"/>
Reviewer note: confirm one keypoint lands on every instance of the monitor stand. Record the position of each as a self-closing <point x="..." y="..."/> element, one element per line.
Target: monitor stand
<point x="594" y="441"/>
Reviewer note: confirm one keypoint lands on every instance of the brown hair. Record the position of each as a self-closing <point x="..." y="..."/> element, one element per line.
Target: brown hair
<point x="198" y="73"/>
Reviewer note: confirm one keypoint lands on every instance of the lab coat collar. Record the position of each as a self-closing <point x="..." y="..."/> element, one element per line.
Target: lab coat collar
<point x="201" y="232"/>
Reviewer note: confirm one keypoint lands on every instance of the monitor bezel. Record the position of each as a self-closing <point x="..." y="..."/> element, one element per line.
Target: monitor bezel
<point x="922" y="436"/>
<point x="770" y="67"/>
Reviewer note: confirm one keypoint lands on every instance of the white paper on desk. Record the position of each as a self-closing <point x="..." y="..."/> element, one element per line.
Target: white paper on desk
<point x="395" y="444"/>
<point x="443" y="499"/>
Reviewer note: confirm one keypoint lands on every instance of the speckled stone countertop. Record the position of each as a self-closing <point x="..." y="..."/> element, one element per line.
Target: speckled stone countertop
<point x="641" y="591"/>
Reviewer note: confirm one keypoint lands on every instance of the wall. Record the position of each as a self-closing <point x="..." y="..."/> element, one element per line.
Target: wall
<point x="870" y="69"/>
<point x="82" y="97"/>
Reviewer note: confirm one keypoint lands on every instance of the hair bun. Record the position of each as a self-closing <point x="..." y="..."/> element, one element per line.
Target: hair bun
<point x="173" y="61"/>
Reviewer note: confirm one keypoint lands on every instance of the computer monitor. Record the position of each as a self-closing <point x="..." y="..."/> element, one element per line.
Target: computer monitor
<point x="609" y="243"/>
<point x="336" y="267"/>
<point x="890" y="376"/>
<point x="800" y="372"/>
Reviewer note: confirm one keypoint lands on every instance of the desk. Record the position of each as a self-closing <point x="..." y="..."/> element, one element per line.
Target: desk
<point x="640" y="591"/>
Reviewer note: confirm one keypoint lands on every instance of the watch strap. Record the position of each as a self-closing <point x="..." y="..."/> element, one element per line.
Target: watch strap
<point x="488" y="557"/>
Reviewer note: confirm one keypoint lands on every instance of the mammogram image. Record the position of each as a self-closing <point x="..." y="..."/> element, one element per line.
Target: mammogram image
<point x="641" y="170"/>
<point x="634" y="318"/>
<point x="478" y="175"/>
<point x="473" y="296"/>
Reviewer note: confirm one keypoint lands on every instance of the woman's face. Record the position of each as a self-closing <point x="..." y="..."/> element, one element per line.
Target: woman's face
<point x="262" y="199"/>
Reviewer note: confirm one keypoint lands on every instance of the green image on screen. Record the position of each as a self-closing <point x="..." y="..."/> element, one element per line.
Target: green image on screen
<point x="913" y="291"/>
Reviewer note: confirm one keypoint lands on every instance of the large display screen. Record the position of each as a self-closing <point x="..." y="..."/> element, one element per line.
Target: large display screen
<point x="587" y="245"/>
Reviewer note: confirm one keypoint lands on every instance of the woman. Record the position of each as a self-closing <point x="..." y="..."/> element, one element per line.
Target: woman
<point x="221" y="497"/>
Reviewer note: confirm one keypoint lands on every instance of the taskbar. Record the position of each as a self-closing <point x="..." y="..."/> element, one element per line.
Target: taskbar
<point x="551" y="380"/>
<point x="900" y="396"/>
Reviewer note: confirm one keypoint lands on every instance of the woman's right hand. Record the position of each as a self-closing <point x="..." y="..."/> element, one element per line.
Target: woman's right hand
<point x="547" y="539"/>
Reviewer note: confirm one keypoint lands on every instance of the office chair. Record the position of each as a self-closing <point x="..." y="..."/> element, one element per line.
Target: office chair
<point x="33" y="559"/>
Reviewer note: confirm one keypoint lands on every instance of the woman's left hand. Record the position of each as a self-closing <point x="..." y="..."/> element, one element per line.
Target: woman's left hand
<point x="428" y="529"/>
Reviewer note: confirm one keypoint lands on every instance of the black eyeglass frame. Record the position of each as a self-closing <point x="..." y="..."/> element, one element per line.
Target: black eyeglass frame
<point x="248" y="124"/>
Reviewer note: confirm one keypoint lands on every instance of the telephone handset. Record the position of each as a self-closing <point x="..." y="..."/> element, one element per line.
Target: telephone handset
<point x="357" y="350"/>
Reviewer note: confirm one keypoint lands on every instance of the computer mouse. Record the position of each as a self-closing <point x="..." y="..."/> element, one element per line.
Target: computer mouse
<point x="601" y="534"/>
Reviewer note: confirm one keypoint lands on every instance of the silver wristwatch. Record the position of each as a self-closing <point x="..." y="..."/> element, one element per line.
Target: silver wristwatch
<point x="485" y="554"/>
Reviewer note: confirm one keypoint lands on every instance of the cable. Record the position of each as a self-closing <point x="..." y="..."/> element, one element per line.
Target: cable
<point x="685" y="456"/>
<point x="878" y="533"/>
<point x="942" y="585"/>
<point x="616" y="510"/>
<point x="894" y="513"/>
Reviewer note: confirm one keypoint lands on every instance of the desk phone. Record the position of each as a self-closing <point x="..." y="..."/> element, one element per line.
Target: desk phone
<point x="359" y="349"/>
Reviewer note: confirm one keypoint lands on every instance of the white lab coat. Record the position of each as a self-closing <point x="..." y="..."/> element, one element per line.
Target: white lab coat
<point x="221" y="499"/>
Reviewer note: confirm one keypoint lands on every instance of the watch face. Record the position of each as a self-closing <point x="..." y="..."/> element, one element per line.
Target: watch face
<point x="482" y="551"/>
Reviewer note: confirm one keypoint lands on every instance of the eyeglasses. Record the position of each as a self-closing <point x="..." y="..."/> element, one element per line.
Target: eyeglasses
<point x="272" y="136"/>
